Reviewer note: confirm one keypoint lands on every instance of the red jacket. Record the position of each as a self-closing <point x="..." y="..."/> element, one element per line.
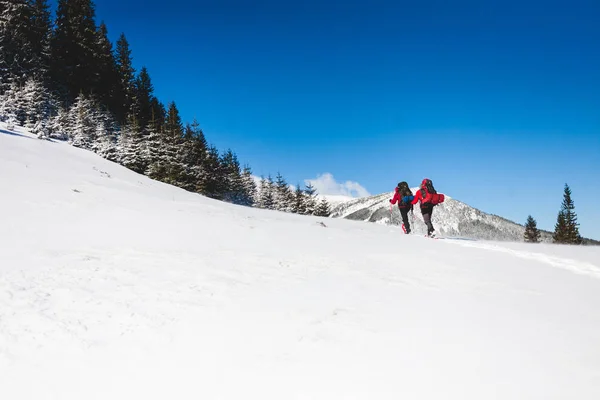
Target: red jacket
<point x="419" y="196"/>
<point x="397" y="197"/>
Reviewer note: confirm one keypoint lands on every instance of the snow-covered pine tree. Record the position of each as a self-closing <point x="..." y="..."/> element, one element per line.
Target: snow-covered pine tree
<point x="310" y="199"/>
<point x="532" y="233"/>
<point x="39" y="103"/>
<point x="16" y="58"/>
<point x="266" y="193"/>
<point x="567" y="229"/>
<point x="322" y="209"/>
<point x="283" y="194"/>
<point x="58" y="126"/>
<point x="213" y="179"/>
<point x="41" y="32"/>
<point x="192" y="154"/>
<point x="299" y="201"/>
<point x="250" y="191"/>
<point x="234" y="186"/>
<point x="173" y="142"/>
<point x="82" y="124"/>
<point x="10" y="105"/>
<point x="157" y="157"/>
<point x="106" y="135"/>
<point x="131" y="148"/>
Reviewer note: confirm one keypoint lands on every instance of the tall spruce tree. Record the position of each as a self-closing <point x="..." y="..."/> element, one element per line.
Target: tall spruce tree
<point x="74" y="45"/>
<point x="560" y="228"/>
<point x="299" y="204"/>
<point x="266" y="193"/>
<point x="158" y="115"/>
<point x="249" y="187"/>
<point x="16" y="59"/>
<point x="169" y="167"/>
<point x="106" y="86"/>
<point x="532" y="234"/>
<point x="310" y="199"/>
<point x="192" y="154"/>
<point x="126" y="74"/>
<point x="82" y="126"/>
<point x="323" y="209"/>
<point x="213" y="183"/>
<point x="142" y="97"/>
<point x="41" y="32"/>
<point x="235" y="190"/>
<point x="106" y="143"/>
<point x="283" y="194"/>
<point x="566" y="229"/>
<point x="133" y="148"/>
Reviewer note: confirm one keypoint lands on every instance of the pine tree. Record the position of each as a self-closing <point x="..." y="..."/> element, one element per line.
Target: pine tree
<point x="192" y="154"/>
<point x="299" y="204"/>
<point x="107" y="85"/>
<point x="310" y="200"/>
<point x="532" y="234"/>
<point x="567" y="229"/>
<point x="157" y="157"/>
<point x="12" y="107"/>
<point x="126" y="74"/>
<point x="234" y="190"/>
<point x="82" y="126"/>
<point x="266" y="193"/>
<point x="133" y="149"/>
<point x="16" y="50"/>
<point x="283" y="194"/>
<point x="173" y="136"/>
<point x="41" y="32"/>
<point x="74" y="45"/>
<point x="323" y="209"/>
<point x="249" y="187"/>
<point x="39" y="104"/>
<point x="27" y="104"/>
<point x="173" y="124"/>
<point x="58" y="126"/>
<point x="106" y="134"/>
<point x="142" y="97"/>
<point x="165" y="149"/>
<point x="560" y="228"/>
<point x="213" y="183"/>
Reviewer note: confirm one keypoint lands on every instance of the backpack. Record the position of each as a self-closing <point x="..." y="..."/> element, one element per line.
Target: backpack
<point x="405" y="192"/>
<point x="436" y="197"/>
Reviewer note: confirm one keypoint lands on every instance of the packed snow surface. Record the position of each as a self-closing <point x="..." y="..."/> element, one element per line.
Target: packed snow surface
<point x="114" y="286"/>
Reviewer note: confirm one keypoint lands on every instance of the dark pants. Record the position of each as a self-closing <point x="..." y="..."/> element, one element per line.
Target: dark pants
<point x="404" y="212"/>
<point x="427" y="212"/>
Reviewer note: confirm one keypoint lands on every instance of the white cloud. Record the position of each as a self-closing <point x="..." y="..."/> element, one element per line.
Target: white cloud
<point x="328" y="186"/>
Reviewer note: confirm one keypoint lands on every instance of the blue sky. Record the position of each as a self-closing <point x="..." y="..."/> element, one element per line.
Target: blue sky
<point x="497" y="102"/>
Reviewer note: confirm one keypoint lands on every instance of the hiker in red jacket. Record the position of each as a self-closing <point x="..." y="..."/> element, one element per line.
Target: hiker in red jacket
<point x="403" y="196"/>
<point x="425" y="196"/>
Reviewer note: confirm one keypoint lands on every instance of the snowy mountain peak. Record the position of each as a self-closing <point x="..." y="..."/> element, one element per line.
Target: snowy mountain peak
<point x="451" y="218"/>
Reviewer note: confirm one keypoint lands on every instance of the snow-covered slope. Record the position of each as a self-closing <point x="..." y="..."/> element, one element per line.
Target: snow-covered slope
<point x="451" y="218"/>
<point x="335" y="200"/>
<point x="113" y="286"/>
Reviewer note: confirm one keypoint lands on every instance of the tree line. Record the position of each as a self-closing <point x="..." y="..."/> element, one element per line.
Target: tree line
<point x="63" y="79"/>
<point x="566" y="230"/>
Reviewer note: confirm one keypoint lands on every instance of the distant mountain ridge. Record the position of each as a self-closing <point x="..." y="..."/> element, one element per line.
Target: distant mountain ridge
<point x="451" y="218"/>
